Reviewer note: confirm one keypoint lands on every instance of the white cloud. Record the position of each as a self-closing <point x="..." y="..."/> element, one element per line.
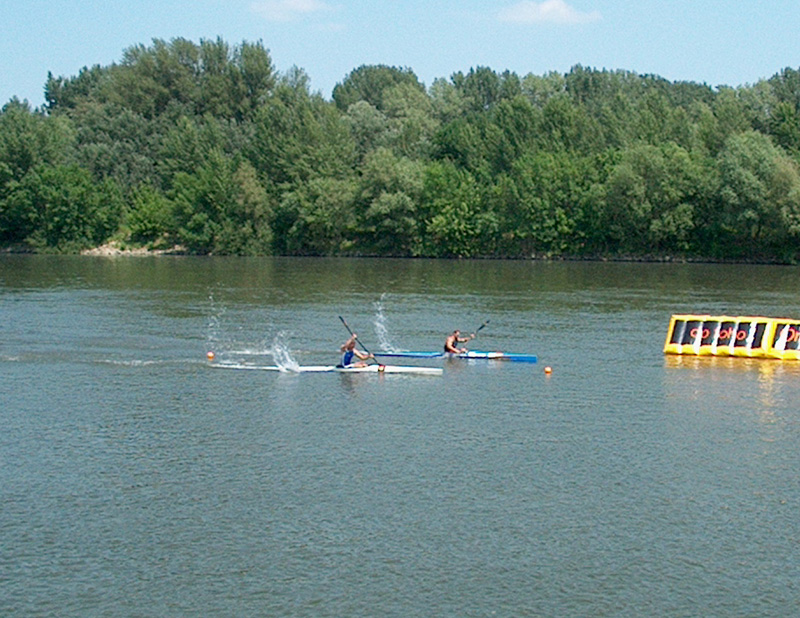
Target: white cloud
<point x="549" y="11"/>
<point x="287" y="10"/>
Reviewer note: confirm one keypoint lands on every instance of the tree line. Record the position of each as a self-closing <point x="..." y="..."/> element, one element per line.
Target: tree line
<point x="208" y="147"/>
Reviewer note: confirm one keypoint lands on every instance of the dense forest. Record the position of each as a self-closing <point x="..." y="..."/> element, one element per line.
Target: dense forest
<point x="207" y="147"/>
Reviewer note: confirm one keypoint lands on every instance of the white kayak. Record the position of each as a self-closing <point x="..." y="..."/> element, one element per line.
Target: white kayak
<point x="335" y="369"/>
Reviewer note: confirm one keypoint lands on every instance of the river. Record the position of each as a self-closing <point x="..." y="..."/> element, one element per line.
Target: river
<point x="140" y="479"/>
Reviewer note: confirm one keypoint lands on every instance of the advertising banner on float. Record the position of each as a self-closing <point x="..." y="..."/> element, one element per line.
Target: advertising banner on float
<point x="747" y="336"/>
<point x="786" y="340"/>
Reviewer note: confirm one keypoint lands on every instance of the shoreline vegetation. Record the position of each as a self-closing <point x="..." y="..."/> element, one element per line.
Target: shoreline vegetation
<point x="187" y="148"/>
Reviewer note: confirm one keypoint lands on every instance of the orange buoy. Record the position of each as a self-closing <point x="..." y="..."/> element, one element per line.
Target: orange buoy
<point x="210" y="356"/>
<point x="548" y="370"/>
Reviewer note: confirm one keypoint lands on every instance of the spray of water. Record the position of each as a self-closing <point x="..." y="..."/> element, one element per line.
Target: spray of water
<point x="381" y="328"/>
<point x="213" y="328"/>
<point x="281" y="355"/>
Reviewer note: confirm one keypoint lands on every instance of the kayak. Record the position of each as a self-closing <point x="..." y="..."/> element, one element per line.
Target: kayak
<point x="472" y="354"/>
<point x="336" y="369"/>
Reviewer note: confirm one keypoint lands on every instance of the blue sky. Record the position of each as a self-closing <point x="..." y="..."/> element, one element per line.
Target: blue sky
<point x="706" y="41"/>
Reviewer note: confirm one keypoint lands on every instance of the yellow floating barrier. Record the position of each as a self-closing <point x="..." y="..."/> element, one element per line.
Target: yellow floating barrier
<point x="721" y="335"/>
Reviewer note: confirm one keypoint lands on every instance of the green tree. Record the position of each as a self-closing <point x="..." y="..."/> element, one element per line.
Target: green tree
<point x="28" y="141"/>
<point x="461" y="141"/>
<point x="369" y="83"/>
<point x="62" y="94"/>
<point x="150" y="216"/>
<point x="412" y="124"/>
<point x="513" y="128"/>
<point x="483" y="88"/>
<point x="540" y="89"/>
<point x="222" y="209"/>
<point x="182" y="78"/>
<point x="566" y="125"/>
<point x="317" y="218"/>
<point x="250" y="227"/>
<point x="187" y="144"/>
<point x="115" y="142"/>
<point x="457" y="224"/>
<point x="760" y="197"/>
<point x="784" y="126"/>
<point x="731" y="113"/>
<point x="543" y="204"/>
<point x="147" y="80"/>
<point x="448" y="102"/>
<point x="391" y="187"/>
<point x="369" y="127"/>
<point x="234" y="81"/>
<point x="216" y="92"/>
<point x="59" y="208"/>
<point x="297" y="137"/>
<point x="650" y="200"/>
<point x="786" y="86"/>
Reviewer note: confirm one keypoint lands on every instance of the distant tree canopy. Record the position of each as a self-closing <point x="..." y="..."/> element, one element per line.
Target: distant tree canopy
<point x="204" y="145"/>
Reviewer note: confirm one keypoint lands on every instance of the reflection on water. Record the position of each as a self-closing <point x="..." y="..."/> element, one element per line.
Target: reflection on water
<point x="725" y="377"/>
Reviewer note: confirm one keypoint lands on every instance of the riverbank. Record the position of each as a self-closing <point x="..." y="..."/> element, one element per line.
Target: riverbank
<point x="114" y="248"/>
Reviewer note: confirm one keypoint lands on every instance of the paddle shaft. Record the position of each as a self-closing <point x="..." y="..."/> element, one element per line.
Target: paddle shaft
<point x="475" y="334"/>
<point x="363" y="347"/>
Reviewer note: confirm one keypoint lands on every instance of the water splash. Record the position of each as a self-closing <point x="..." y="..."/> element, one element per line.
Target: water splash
<point x="213" y="326"/>
<point x="223" y="339"/>
<point x="381" y="328"/>
<point x="281" y="355"/>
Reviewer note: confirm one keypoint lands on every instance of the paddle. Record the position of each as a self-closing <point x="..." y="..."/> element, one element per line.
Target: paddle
<point x="480" y="328"/>
<point x="358" y="341"/>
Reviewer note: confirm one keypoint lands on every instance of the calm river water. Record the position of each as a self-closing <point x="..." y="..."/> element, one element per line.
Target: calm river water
<point x="138" y="479"/>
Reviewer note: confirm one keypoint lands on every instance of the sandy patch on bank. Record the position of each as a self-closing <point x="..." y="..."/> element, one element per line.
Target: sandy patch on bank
<point x="113" y="248"/>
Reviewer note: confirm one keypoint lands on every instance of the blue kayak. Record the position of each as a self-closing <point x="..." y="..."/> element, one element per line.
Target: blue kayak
<point x="472" y="354"/>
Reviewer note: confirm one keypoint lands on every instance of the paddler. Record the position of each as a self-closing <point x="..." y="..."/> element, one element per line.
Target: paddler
<point x="350" y="353"/>
<point x="452" y="341"/>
